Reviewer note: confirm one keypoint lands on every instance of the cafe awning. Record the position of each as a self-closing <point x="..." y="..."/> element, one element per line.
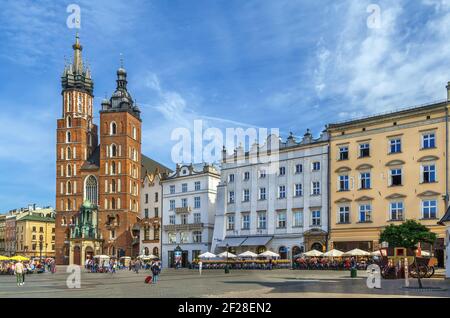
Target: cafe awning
<point x="257" y="240"/>
<point x="232" y="241"/>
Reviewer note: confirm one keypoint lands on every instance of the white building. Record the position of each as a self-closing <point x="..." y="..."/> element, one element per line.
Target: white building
<point x="189" y="197"/>
<point x="151" y="206"/>
<point x="284" y="210"/>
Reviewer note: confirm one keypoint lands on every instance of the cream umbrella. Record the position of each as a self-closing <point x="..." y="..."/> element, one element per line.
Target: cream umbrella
<point x="248" y="254"/>
<point x="269" y="254"/>
<point x="376" y="253"/>
<point x="147" y="257"/>
<point x="313" y="253"/>
<point x="207" y="255"/>
<point x="356" y="252"/>
<point x="333" y="253"/>
<point x="226" y="254"/>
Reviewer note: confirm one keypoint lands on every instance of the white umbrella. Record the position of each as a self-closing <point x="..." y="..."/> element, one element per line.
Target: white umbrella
<point x="248" y="254"/>
<point x="101" y="256"/>
<point x="357" y="252"/>
<point x="224" y="255"/>
<point x="207" y="255"/>
<point x="269" y="254"/>
<point x="376" y="253"/>
<point x="333" y="253"/>
<point x="313" y="253"/>
<point x="151" y="256"/>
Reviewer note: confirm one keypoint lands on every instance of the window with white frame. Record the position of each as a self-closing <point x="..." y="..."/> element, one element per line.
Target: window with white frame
<point x="246" y="195"/>
<point x="246" y="221"/>
<point x="315" y="188"/>
<point x="230" y="222"/>
<point x="172" y="219"/>
<point x="396" y="211"/>
<point x="316" y="166"/>
<point x="344" y="183"/>
<point x="172" y="205"/>
<point x="298" y="168"/>
<point x="364" y="150"/>
<point x="298" y="190"/>
<point x="246" y="175"/>
<point x="428" y="173"/>
<point x="197" y="236"/>
<point x="262" y="193"/>
<point x="231" y="197"/>
<point x="196" y="202"/>
<point x="344" y="214"/>
<point x="429" y="209"/>
<point x="365" y="213"/>
<point x="396" y="177"/>
<point x="281" y="220"/>
<point x="184" y="187"/>
<point x="172" y="238"/>
<point x="282" y="192"/>
<point x="231" y="177"/>
<point x="282" y="171"/>
<point x="184" y="218"/>
<point x="343" y="153"/>
<point x="184" y="237"/>
<point x="315" y="218"/>
<point x="297" y="218"/>
<point x="395" y="145"/>
<point x="364" y="178"/>
<point x="197" y="185"/>
<point x="172" y="189"/>
<point x="262" y="173"/>
<point x="184" y="203"/>
<point x="197" y="218"/>
<point x="262" y="220"/>
<point x="429" y="140"/>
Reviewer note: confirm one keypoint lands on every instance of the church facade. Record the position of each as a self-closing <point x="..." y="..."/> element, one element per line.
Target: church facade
<point x="98" y="169"/>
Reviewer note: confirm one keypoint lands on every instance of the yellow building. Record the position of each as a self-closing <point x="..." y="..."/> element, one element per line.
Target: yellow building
<point x="35" y="234"/>
<point x="385" y="169"/>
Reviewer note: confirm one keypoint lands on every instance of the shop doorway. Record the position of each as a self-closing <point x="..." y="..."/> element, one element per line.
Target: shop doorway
<point x="283" y="252"/>
<point x="89" y="253"/>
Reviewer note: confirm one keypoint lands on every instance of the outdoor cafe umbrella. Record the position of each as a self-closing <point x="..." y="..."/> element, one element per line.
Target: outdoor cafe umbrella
<point x="226" y="254"/>
<point x="356" y="252"/>
<point x="269" y="254"/>
<point x="313" y="253"/>
<point x="147" y="257"/>
<point x="19" y="258"/>
<point x="207" y="255"/>
<point x="248" y="254"/>
<point x="4" y="258"/>
<point x="333" y="253"/>
<point x="376" y="253"/>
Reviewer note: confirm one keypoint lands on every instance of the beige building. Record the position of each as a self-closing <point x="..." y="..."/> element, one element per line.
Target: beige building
<point x="35" y="234"/>
<point x="2" y="234"/>
<point x="385" y="169"/>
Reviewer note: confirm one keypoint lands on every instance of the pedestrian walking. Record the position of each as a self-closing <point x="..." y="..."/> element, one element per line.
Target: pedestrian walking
<point x="200" y="266"/>
<point x="18" y="270"/>
<point x="156" y="270"/>
<point x="137" y="265"/>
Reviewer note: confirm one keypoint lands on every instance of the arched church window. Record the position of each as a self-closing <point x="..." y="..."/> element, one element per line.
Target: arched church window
<point x="113" y="203"/>
<point x="113" y="167"/>
<point x="69" y="170"/>
<point x="90" y="191"/>
<point x="80" y="102"/>
<point x="69" y="205"/>
<point x="69" y="153"/>
<point x="69" y="122"/>
<point x="69" y="187"/>
<point x="113" y="150"/>
<point x="113" y="128"/>
<point x="113" y="185"/>
<point x="68" y="136"/>
<point x="134" y="133"/>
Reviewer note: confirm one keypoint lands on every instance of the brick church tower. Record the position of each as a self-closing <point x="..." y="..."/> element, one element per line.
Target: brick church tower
<point x="104" y="178"/>
<point x="120" y="168"/>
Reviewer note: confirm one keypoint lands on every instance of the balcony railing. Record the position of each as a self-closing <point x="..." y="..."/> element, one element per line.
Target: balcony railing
<point x="186" y="209"/>
<point x="183" y="227"/>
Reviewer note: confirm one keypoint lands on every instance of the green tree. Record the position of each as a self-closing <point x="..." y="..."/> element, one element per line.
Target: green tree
<point x="408" y="235"/>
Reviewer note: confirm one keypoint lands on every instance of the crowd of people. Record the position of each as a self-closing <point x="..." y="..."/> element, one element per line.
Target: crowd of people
<point x="323" y="263"/>
<point x="34" y="266"/>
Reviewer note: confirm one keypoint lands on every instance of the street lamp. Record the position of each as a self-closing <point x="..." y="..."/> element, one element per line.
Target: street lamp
<point x="226" y="265"/>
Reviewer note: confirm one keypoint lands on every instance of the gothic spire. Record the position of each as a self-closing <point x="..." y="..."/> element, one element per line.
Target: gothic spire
<point x="77" y="58"/>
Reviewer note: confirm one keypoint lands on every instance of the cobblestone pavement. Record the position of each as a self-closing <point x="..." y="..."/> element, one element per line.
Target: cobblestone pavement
<point x="215" y="283"/>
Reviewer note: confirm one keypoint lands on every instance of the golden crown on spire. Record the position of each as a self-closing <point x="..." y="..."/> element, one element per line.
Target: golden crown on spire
<point x="77" y="45"/>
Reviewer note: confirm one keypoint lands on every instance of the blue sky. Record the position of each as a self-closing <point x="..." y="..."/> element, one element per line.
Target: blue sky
<point x="283" y="64"/>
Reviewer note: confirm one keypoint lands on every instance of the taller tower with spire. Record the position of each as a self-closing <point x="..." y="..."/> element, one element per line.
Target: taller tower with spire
<point x="76" y="138"/>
